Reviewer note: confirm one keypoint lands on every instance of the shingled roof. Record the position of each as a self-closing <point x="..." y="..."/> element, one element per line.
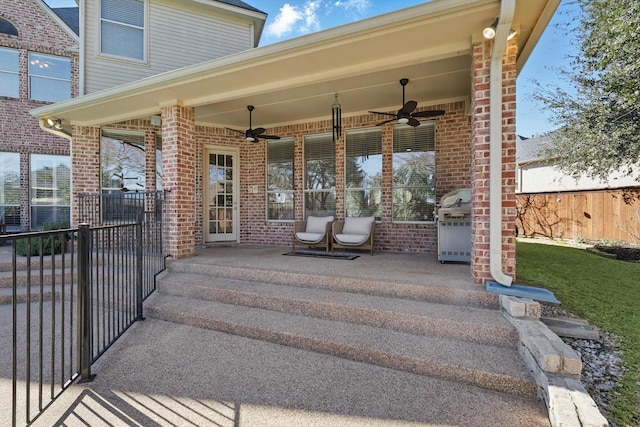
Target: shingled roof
<point x="70" y="16"/>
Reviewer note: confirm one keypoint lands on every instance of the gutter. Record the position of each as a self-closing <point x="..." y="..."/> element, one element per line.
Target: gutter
<point x="507" y="9"/>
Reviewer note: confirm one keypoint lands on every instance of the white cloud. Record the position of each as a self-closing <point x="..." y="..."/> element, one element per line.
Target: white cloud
<point x="354" y="7"/>
<point x="284" y="21"/>
<point x="295" y="19"/>
<point x="311" y="22"/>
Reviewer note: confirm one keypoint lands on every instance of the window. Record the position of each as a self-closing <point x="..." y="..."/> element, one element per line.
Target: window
<point x="49" y="77"/>
<point x="122" y="161"/>
<point x="414" y="170"/>
<point x="319" y="175"/>
<point x="280" y="179"/>
<point x="363" y="169"/>
<point x="122" y="25"/>
<point x="9" y="80"/>
<point x="10" y="190"/>
<point x="50" y="190"/>
<point x="7" y="27"/>
<point x="158" y="162"/>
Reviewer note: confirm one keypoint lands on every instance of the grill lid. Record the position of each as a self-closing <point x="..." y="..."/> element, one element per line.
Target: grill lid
<point x="456" y="197"/>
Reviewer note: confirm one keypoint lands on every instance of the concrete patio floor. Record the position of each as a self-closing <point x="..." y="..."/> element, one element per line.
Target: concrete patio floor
<point x="166" y="374"/>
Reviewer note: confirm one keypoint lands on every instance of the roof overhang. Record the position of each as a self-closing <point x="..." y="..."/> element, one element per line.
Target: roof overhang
<point x="296" y="80"/>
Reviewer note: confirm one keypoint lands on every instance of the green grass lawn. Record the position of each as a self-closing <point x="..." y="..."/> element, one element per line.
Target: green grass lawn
<point x="603" y="291"/>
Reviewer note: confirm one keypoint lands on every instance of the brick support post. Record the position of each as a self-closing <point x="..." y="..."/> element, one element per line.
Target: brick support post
<point x="480" y="146"/>
<point x="178" y="169"/>
<point x="85" y="167"/>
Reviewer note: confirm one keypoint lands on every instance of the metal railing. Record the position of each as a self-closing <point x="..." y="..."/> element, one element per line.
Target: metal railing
<point x="120" y="207"/>
<point x="68" y="303"/>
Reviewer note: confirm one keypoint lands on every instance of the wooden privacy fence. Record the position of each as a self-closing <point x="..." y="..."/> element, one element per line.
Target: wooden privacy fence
<point x="590" y="215"/>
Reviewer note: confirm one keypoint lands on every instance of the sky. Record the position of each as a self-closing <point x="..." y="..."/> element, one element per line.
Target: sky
<point x="293" y="18"/>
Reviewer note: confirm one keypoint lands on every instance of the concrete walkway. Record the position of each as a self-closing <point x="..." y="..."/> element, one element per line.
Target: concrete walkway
<point x="165" y="374"/>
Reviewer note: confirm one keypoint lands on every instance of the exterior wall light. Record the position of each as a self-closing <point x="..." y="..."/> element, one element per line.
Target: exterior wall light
<point x="490" y="31"/>
<point x="56" y="124"/>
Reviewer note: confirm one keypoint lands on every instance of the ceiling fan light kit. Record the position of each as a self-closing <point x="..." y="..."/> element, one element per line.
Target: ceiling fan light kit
<point x="405" y="115"/>
<point x="253" y="135"/>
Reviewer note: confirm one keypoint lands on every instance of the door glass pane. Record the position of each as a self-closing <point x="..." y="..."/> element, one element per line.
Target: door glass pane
<point x="220" y="195"/>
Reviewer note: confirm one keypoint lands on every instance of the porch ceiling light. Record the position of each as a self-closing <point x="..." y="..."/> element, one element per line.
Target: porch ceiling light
<point x="490" y="31"/>
<point x="55" y="123"/>
<point x="403" y="120"/>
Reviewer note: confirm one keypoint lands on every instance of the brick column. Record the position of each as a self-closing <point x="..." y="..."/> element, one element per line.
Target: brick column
<point x="178" y="176"/>
<point x="480" y="146"/>
<point x="85" y="168"/>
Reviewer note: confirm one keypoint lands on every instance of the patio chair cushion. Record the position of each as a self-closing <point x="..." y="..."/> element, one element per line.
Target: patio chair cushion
<point x="351" y="239"/>
<point x="309" y="237"/>
<point x="318" y="224"/>
<point x="357" y="225"/>
<point x="355" y="231"/>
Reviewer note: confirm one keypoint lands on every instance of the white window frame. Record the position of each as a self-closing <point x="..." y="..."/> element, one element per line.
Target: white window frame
<point x="48" y="78"/>
<point x="144" y="29"/>
<point x="275" y="191"/>
<point x="55" y="202"/>
<point x="328" y="140"/>
<point x="370" y="190"/>
<point x="10" y="165"/>
<point x="15" y="73"/>
<point x="428" y="188"/>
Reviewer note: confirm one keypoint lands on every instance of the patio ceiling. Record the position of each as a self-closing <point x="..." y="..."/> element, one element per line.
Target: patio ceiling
<point x="295" y="80"/>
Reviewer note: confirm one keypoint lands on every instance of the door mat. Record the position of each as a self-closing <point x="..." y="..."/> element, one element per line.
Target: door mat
<point x="522" y="291"/>
<point x="322" y="255"/>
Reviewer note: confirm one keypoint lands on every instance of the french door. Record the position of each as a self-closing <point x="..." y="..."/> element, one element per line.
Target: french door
<point x="221" y="195"/>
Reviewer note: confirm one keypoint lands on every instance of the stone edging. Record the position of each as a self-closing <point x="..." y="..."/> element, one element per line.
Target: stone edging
<point x="554" y="365"/>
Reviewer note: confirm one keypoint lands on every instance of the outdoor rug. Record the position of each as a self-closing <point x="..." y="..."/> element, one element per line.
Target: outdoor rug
<point x="322" y="255"/>
<point x="522" y="291"/>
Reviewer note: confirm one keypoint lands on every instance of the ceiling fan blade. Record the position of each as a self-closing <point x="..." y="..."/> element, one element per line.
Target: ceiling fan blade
<point x="258" y="131"/>
<point x="385" y="114"/>
<point x="236" y="131"/>
<point x="269" y="136"/>
<point x="428" y="113"/>
<point x="413" y="122"/>
<point x="387" y="121"/>
<point x="409" y="106"/>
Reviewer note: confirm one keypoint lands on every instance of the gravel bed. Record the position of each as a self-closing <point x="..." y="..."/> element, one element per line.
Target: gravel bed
<point x="602" y="364"/>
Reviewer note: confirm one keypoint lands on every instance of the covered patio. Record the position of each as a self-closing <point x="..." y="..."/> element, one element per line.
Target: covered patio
<point x="438" y="46"/>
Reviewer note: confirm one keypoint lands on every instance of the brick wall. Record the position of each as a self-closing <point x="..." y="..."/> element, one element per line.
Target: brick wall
<point x="19" y="131"/>
<point x="178" y="170"/>
<point x="480" y="154"/>
<point x="85" y="167"/>
<point x="453" y="160"/>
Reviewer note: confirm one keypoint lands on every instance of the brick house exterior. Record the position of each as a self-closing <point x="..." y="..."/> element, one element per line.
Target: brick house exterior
<point x="39" y="31"/>
<point x="465" y="137"/>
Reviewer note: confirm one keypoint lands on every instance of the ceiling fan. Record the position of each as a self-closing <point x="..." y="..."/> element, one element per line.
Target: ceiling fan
<point x="405" y="115"/>
<point x="252" y="135"/>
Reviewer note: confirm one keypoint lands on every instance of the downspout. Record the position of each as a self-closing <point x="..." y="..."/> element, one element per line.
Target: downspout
<point x="83" y="37"/>
<point x="507" y="9"/>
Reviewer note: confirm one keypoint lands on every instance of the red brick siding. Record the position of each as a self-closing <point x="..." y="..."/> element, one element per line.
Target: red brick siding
<point x="453" y="159"/>
<point x="85" y="166"/>
<point x="19" y="131"/>
<point x="178" y="169"/>
<point x="480" y="153"/>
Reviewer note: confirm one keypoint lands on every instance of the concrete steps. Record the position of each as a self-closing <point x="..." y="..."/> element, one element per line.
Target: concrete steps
<point x="441" y="333"/>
